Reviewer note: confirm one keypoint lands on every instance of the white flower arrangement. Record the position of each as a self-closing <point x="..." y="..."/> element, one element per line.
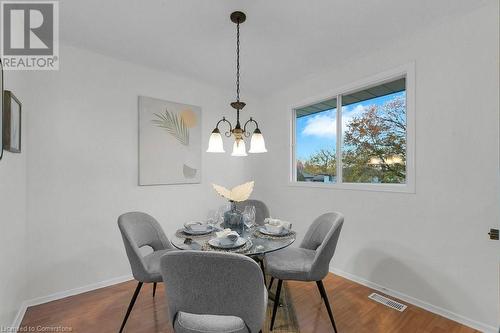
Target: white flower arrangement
<point x="238" y="193"/>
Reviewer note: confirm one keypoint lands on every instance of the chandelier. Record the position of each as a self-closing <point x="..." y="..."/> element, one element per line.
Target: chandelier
<point x="257" y="144"/>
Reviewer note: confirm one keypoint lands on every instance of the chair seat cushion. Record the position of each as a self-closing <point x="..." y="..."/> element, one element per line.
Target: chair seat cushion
<point x="290" y="264"/>
<point x="152" y="262"/>
<point x="194" y="323"/>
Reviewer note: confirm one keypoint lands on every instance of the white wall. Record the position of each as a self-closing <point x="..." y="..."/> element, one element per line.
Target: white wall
<point x="83" y="166"/>
<point x="13" y="219"/>
<point x="432" y="245"/>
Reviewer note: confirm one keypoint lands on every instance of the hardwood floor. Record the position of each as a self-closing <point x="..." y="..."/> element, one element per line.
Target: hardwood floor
<point x="102" y="311"/>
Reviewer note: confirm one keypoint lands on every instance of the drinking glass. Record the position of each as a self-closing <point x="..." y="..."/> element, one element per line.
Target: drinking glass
<point x="212" y="218"/>
<point x="249" y="216"/>
<point x="220" y="213"/>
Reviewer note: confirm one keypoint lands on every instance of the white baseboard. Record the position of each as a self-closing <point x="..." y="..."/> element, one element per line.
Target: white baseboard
<point x="19" y="317"/>
<point x="421" y="304"/>
<point x="63" y="294"/>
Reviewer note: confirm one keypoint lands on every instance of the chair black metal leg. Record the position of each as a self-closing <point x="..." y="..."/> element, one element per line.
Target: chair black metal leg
<point x="322" y="291"/>
<point x="263" y="270"/>
<point x="154" y="289"/>
<point x="271" y="283"/>
<point x="276" y="303"/>
<point x="131" y="305"/>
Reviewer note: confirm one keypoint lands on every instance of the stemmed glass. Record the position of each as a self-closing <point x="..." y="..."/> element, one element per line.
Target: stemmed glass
<point x="215" y="218"/>
<point x="249" y="216"/>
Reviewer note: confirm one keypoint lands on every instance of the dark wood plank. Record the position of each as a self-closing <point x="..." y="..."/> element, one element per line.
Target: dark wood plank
<point x="102" y="311"/>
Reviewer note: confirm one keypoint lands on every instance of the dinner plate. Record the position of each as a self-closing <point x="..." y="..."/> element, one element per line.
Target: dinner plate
<point x="239" y="243"/>
<point x="283" y="232"/>
<point x="201" y="232"/>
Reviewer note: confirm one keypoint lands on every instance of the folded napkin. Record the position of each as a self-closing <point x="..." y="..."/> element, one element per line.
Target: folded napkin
<point x="278" y="223"/>
<point x="226" y="233"/>
<point x="188" y="225"/>
<point x="196" y="226"/>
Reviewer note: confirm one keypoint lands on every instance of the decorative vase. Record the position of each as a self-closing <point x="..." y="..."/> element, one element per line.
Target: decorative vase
<point x="233" y="219"/>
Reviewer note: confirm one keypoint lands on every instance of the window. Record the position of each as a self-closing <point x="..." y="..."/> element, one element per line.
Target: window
<point x="316" y="142"/>
<point x="363" y="146"/>
<point x="374" y="134"/>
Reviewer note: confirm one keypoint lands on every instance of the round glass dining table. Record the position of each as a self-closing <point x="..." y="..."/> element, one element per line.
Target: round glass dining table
<point x="257" y="242"/>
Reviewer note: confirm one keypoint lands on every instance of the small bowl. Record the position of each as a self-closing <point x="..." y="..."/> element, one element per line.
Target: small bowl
<point x="275" y="229"/>
<point x="232" y="237"/>
<point x="229" y="240"/>
<point x="196" y="226"/>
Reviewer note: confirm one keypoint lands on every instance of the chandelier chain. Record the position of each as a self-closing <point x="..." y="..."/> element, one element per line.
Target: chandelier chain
<point x="238" y="62"/>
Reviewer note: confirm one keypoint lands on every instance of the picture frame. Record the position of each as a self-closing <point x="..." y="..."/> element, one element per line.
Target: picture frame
<point x="1" y="109"/>
<point x="12" y="109"/>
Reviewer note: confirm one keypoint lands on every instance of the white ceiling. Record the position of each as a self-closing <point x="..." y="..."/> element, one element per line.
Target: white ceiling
<point x="282" y="40"/>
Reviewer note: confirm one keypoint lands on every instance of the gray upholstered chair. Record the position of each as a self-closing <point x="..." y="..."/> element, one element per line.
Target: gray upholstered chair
<point x="138" y="230"/>
<point x="214" y="292"/>
<point x="261" y="210"/>
<point x="310" y="261"/>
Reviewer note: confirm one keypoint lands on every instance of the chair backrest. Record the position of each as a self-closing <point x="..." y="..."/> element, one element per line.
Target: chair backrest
<point x="138" y="230"/>
<point x="215" y="283"/>
<point x="261" y="210"/>
<point x="322" y="237"/>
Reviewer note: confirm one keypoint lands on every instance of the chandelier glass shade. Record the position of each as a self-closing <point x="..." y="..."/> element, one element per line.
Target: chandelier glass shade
<point x="239" y="148"/>
<point x="215" y="144"/>
<point x="257" y="143"/>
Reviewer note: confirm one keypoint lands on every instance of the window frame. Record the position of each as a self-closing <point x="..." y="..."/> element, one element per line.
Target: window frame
<point x="408" y="72"/>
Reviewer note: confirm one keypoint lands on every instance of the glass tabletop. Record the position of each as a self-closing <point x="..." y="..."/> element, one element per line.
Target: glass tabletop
<point x="257" y="243"/>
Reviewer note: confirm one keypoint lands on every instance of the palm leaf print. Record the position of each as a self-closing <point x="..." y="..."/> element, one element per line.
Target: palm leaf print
<point x="174" y="125"/>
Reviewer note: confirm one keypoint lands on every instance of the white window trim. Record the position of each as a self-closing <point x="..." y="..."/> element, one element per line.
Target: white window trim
<point x="408" y="71"/>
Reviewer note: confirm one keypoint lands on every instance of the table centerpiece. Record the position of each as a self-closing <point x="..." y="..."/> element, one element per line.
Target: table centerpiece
<point x="233" y="218"/>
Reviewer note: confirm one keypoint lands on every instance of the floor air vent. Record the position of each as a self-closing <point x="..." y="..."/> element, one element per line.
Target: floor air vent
<point x="387" y="302"/>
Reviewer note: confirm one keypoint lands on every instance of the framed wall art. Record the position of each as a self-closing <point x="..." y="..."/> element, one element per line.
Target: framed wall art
<point x="1" y="109"/>
<point x="169" y="142"/>
<point x="11" y="122"/>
